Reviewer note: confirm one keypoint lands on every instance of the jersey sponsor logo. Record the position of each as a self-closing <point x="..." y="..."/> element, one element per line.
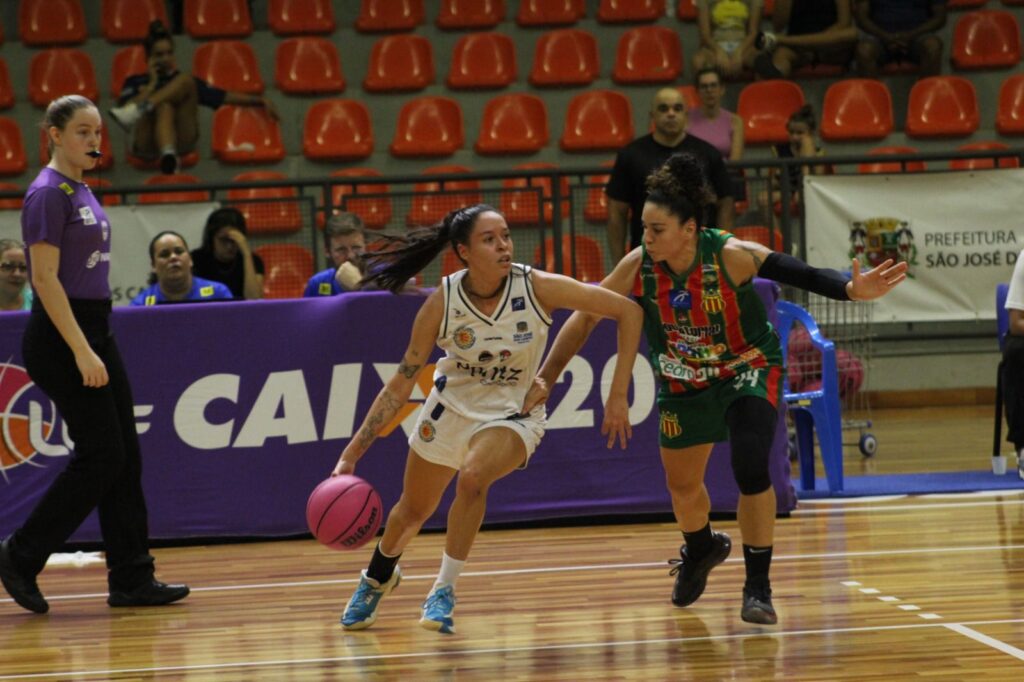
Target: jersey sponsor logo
<point x="523" y="333"/>
<point x="464" y="337"/>
<point x="427" y="432"/>
<point x="150" y="300"/>
<point x="693" y="334"/>
<point x="485" y="357"/>
<point x="457" y="313"/>
<point x="499" y="375"/>
<point x="518" y="303"/>
<point x="324" y="289"/>
<point x="206" y="292"/>
<point x="87" y="215"/>
<point x="670" y="425"/>
<point x="679" y="371"/>
<point x="492" y="338"/>
<point x="95" y="258"/>
<point x="679" y="299"/>
<point x="68" y="189"/>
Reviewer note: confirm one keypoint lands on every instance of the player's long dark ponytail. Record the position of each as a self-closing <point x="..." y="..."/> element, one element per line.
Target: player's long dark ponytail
<point x="679" y="186"/>
<point x="404" y="256"/>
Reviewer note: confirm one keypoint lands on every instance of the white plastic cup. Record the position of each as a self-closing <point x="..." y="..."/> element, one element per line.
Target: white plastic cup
<point x="999" y="465"/>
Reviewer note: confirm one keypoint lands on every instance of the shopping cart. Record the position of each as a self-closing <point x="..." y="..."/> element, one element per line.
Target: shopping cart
<point x="847" y="324"/>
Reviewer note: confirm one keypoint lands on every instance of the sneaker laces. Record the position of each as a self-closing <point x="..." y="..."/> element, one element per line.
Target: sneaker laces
<point x="440" y="598"/>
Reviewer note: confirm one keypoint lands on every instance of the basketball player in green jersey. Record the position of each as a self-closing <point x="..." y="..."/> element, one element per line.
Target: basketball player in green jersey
<point x="719" y="365"/>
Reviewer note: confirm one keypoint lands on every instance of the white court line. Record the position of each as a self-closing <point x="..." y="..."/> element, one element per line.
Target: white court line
<point x="448" y="652"/>
<point x="985" y="639"/>
<point x="568" y="569"/>
<point x="904" y="507"/>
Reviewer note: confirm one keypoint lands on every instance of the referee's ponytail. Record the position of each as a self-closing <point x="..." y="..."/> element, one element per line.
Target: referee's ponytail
<point x="680" y="187"/>
<point x="404" y="256"/>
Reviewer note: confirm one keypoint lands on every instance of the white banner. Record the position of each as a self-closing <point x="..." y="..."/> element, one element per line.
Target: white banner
<point x="132" y="228"/>
<point x="961" y="233"/>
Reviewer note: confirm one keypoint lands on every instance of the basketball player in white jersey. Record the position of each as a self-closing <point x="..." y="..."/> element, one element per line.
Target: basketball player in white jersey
<point x="491" y="320"/>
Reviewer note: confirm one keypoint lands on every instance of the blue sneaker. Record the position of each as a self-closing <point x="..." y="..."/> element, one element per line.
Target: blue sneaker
<point x="361" y="611"/>
<point x="437" y="610"/>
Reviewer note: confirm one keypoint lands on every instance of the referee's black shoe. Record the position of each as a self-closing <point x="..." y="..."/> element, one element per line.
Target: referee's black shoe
<point x="22" y="589"/>
<point x="150" y="593"/>
<point x="692" y="574"/>
<point x="757" y="603"/>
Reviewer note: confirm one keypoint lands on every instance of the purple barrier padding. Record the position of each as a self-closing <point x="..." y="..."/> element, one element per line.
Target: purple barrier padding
<point x="243" y="408"/>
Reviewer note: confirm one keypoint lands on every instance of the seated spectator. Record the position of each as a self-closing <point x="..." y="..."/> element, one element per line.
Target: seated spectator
<point x="171" y="280"/>
<point x="1013" y="364"/>
<point x="899" y="31"/>
<point x="15" y="294"/>
<point x="226" y="257"/>
<point x="727" y="32"/>
<point x="802" y="144"/>
<point x="345" y="243"/>
<point x="160" y="107"/>
<point x="720" y="128"/>
<point x="806" y="32"/>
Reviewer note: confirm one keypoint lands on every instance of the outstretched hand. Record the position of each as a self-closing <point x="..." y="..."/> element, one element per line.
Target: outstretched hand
<point x="876" y="282"/>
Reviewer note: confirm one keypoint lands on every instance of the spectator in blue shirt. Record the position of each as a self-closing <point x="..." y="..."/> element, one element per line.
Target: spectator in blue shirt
<point x="345" y="242"/>
<point x="160" y="107"/>
<point x="899" y="31"/>
<point x="171" y="280"/>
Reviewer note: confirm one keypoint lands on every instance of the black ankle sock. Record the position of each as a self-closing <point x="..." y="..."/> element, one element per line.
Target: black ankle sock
<point x="698" y="543"/>
<point x="757" y="560"/>
<point x="381" y="567"/>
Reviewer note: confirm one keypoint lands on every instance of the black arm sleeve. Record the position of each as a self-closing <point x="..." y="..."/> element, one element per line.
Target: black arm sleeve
<point x="793" y="271"/>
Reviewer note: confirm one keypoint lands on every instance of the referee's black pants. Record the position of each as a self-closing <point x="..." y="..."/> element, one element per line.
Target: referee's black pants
<point x="105" y="470"/>
<point x="1013" y="389"/>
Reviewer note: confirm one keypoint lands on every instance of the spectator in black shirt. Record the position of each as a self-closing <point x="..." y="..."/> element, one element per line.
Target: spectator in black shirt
<point x="899" y="31"/>
<point x="226" y="257"/>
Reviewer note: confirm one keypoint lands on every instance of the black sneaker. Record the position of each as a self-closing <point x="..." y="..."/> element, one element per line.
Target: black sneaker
<point x="23" y="590"/>
<point x="765" y="67"/>
<point x="169" y="164"/>
<point x="151" y="593"/>
<point x="692" y="576"/>
<point x="757" y="603"/>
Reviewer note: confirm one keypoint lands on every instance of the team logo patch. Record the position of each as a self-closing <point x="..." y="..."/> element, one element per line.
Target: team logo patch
<point x="670" y="426"/>
<point x="518" y="303"/>
<point x="485" y="357"/>
<point x="679" y="299"/>
<point x="712" y="301"/>
<point x="427" y="431"/>
<point x="464" y="337"/>
<point x="457" y="313"/>
<point x="522" y="327"/>
<point x="523" y="333"/>
<point x="324" y="289"/>
<point x="68" y="189"/>
<point x="87" y="215"/>
<point x="206" y="292"/>
<point x="504" y="355"/>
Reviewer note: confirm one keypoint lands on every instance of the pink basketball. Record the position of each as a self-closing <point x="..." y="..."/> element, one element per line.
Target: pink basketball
<point x="344" y="512"/>
<point x="851" y="373"/>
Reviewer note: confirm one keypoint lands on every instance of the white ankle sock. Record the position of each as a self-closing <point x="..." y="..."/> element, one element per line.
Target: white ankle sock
<point x="169" y="149"/>
<point x="449" y="573"/>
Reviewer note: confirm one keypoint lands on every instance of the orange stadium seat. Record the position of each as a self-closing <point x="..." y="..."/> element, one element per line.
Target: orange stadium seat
<point x="186" y="161"/>
<point x="766" y="107"/>
<point x="942" y="106"/>
<point x="857" y="109"/>
<point x="1" y="33"/>
<point x="103" y="183"/>
<point x="596" y="208"/>
<point x="965" y="4"/>
<point x="433" y="199"/>
<point x="513" y="124"/>
<point x="565" y="56"/>
<point x="687" y="10"/>
<point x="287" y="269"/>
<point x="127" y="61"/>
<point x="892" y="166"/>
<point x="1013" y="3"/>
<point x="470" y="14"/>
<point x="375" y="210"/>
<point x="13" y="204"/>
<point x="246" y="135"/>
<point x="263" y="216"/>
<point x="381" y="16"/>
<point x="337" y="130"/>
<point x="648" y="54"/>
<point x="399" y="63"/>
<point x="579" y="253"/>
<point x="6" y="89"/>
<point x="301" y="17"/>
<point x="450" y="262"/>
<point x="482" y="60"/>
<point x="51" y="22"/>
<point x="12" y="150"/>
<point x="106" y="161"/>
<point x="173" y="197"/>
<point x="550" y="12"/>
<point x="61" y="71"/>
<point x="623" y="11"/>
<point x="760" y="235"/>
<point x="690" y="96"/>
<point x="428" y="126"/>
<point x="127" y="21"/>
<point x="217" y="18"/>
<point x="521" y="205"/>
<point x="229" y="65"/>
<point x="598" y="120"/>
<point x="986" y="39"/>
<point x="1010" y="117"/>
<point x="308" y="66"/>
<point x="982" y="162"/>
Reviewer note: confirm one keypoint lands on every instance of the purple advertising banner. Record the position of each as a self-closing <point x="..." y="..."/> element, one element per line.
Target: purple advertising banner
<point x="242" y="408"/>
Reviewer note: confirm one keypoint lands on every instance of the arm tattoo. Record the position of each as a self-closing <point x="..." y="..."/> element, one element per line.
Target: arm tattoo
<point x="382" y="412"/>
<point x="753" y="255"/>
<point x="407" y="370"/>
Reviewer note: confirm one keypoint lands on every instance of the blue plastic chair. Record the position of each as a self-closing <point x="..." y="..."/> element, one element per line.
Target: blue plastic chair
<point x="815" y="410"/>
<point x="1002" y="326"/>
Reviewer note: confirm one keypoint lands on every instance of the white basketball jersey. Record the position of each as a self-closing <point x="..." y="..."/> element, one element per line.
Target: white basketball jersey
<point x="490" y="362"/>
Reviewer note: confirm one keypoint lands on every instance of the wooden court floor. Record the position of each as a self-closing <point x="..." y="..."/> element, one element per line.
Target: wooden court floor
<point x="928" y="587"/>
